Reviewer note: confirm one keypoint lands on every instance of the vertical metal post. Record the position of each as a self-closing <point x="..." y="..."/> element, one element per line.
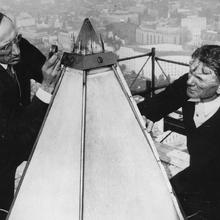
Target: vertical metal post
<point x="82" y="153"/>
<point x="153" y="71"/>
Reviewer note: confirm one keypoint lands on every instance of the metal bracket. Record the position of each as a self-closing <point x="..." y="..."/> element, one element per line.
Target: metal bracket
<point x="90" y="61"/>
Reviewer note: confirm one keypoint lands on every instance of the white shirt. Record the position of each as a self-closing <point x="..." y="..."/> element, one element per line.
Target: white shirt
<point x="41" y="94"/>
<point x="205" y="110"/>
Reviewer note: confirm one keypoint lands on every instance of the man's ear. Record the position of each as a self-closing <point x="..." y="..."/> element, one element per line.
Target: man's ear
<point x="218" y="90"/>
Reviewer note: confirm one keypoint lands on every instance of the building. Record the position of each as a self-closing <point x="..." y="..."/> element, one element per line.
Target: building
<point x="66" y="41"/>
<point x="146" y="35"/>
<point x="25" y="20"/>
<point x="124" y="30"/>
<point x="210" y="37"/>
<point x="173" y="6"/>
<point x="195" y="25"/>
<point x="47" y="1"/>
<point x="217" y="22"/>
<point x="121" y="16"/>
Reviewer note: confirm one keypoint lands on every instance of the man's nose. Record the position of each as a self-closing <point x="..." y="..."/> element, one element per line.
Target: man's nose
<point x="15" y="49"/>
<point x="191" y="80"/>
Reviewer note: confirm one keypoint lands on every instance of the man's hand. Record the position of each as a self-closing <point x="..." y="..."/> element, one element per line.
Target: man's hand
<point x="138" y="98"/>
<point x="51" y="71"/>
<point x="5" y="56"/>
<point x="149" y="124"/>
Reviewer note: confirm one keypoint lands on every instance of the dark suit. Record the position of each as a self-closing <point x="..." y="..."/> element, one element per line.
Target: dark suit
<point x="28" y="68"/>
<point x="19" y="122"/>
<point x="202" y="177"/>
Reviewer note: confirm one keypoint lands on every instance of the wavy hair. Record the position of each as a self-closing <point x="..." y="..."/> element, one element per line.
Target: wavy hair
<point x="210" y="56"/>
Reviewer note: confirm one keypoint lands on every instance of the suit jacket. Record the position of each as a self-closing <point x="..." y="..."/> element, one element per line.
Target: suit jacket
<point x="28" y="68"/>
<point x="19" y="120"/>
<point x="203" y="142"/>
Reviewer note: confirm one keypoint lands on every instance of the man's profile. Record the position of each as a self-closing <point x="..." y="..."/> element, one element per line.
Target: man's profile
<point x="198" y="93"/>
<point x="20" y="120"/>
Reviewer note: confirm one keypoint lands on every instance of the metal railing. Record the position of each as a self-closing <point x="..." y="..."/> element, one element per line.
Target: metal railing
<point x="155" y="62"/>
<point x="171" y="123"/>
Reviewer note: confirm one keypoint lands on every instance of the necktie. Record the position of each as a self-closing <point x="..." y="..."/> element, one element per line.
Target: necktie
<point x="13" y="75"/>
<point x="11" y="72"/>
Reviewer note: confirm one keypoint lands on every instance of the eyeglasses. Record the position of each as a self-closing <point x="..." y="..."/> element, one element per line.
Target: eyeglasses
<point x="9" y="45"/>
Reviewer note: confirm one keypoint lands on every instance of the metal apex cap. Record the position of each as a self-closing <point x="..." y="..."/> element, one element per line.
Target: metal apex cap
<point x="87" y="41"/>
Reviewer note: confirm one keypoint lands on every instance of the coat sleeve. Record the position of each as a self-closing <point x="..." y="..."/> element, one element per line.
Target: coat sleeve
<point x="32" y="59"/>
<point x="165" y="102"/>
<point x="23" y="128"/>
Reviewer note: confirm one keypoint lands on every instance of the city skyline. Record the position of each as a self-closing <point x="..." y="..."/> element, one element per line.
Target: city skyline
<point x="128" y="28"/>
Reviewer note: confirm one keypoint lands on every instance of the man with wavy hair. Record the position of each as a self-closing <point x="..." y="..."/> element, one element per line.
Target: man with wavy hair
<point x="198" y="93"/>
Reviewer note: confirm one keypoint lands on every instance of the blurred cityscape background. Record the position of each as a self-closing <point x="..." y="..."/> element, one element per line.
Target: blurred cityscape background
<point x="129" y="28"/>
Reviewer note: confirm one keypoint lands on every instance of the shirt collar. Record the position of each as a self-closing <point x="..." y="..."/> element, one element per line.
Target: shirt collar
<point x="194" y="100"/>
<point x="5" y="66"/>
<point x="212" y="105"/>
<point x="207" y="106"/>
